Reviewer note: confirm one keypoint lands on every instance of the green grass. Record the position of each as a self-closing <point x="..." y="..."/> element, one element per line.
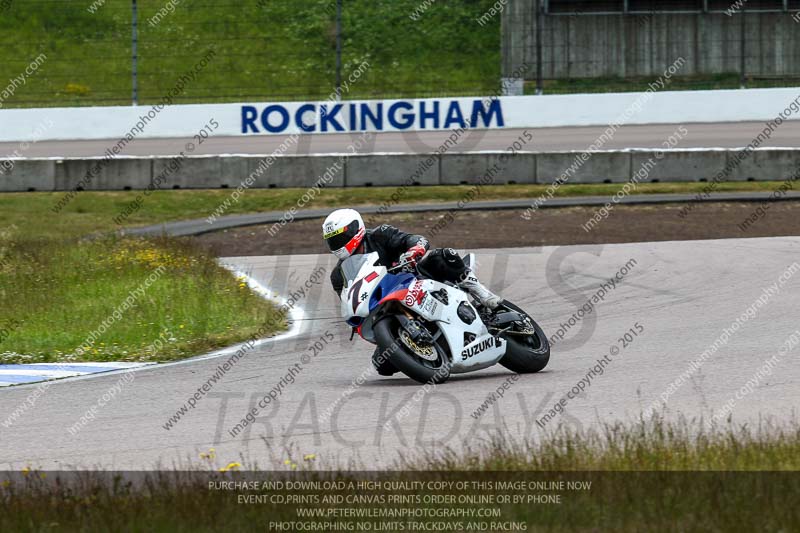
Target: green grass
<point x="56" y="295"/>
<point x="677" y="477"/>
<point x="264" y="50"/>
<point x="94" y="211"/>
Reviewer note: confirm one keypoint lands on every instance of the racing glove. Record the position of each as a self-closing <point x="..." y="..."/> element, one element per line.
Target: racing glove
<point x="413" y="253"/>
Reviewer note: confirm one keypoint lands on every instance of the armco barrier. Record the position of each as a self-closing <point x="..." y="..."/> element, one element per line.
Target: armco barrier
<point x="27" y="175"/>
<point x="781" y="163"/>
<point x="381" y="169"/>
<point x="681" y="165"/>
<point x="499" y="167"/>
<point x="391" y="170"/>
<point x="581" y="167"/>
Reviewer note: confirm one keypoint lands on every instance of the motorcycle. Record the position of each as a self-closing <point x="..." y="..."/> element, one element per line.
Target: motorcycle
<point x="428" y="329"/>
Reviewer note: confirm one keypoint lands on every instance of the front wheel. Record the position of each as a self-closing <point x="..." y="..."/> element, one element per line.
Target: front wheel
<point x="425" y="364"/>
<point x="526" y="352"/>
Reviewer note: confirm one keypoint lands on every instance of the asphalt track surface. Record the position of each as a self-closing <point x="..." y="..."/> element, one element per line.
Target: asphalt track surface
<point x="683" y="294"/>
<point x="701" y="135"/>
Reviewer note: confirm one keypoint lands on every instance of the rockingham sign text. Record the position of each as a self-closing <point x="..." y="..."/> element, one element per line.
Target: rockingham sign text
<point x="389" y="115"/>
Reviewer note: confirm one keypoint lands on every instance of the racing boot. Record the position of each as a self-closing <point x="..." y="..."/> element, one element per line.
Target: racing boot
<point x="471" y="284"/>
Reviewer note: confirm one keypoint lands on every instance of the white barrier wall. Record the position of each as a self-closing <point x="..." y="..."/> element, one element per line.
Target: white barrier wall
<point x="185" y="121"/>
<point x="346" y="170"/>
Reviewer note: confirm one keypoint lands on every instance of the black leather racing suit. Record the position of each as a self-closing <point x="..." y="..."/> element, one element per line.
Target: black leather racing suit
<point x="389" y="242"/>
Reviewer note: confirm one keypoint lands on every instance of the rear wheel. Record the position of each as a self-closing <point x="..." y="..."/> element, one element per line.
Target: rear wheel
<point x="425" y="363"/>
<point x="528" y="349"/>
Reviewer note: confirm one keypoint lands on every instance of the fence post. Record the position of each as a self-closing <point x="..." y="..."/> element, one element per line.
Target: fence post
<point x="539" y="26"/>
<point x="134" y="50"/>
<point x="338" y="49"/>
<point x="743" y="48"/>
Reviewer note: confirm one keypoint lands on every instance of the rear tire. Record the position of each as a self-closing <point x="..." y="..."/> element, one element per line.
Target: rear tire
<point x="525" y="354"/>
<point x="404" y="360"/>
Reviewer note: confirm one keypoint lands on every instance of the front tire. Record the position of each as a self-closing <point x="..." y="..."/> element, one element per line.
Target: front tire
<point x="525" y="354"/>
<point x="417" y="368"/>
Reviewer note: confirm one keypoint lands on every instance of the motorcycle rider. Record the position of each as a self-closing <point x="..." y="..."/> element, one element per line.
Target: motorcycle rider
<point x="345" y="234"/>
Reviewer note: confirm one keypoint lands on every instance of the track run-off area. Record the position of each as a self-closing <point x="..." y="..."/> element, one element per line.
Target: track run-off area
<point x="690" y="328"/>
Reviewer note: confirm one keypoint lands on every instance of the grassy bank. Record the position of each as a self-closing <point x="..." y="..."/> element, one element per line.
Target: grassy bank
<point x="65" y="298"/>
<point x="663" y="489"/>
<point x="95" y="211"/>
<point x="120" y="300"/>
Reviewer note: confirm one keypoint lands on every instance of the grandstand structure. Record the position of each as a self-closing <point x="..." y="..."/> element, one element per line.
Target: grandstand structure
<point x="757" y="40"/>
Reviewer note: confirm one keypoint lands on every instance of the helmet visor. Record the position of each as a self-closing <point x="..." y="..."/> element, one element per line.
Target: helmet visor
<point x="339" y="238"/>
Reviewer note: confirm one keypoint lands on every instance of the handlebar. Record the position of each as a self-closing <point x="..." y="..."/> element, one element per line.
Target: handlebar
<point x="400" y="266"/>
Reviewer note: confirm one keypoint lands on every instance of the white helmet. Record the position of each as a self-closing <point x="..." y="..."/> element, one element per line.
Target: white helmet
<point x="343" y="231"/>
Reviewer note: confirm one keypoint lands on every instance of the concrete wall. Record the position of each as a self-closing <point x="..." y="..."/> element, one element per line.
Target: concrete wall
<point x="653" y="106"/>
<point x="582" y="46"/>
<point x="214" y="172"/>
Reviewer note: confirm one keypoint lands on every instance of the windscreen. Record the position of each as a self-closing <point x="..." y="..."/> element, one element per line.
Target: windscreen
<point x="352" y="265"/>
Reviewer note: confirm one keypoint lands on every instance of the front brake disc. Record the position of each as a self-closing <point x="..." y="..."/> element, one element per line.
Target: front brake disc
<point x="424" y="351"/>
